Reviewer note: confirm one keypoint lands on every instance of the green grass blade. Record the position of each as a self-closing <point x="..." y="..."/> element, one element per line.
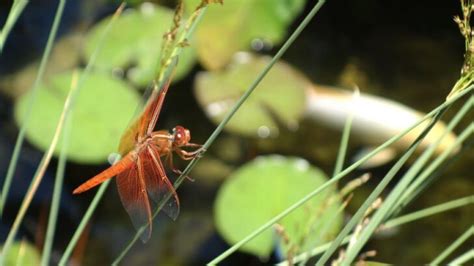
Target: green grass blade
<point x="408" y="195"/>
<point x="407" y="218"/>
<point x="429" y="211"/>
<point x="77" y="234"/>
<point x="95" y="201"/>
<point x="39" y="174"/>
<point x="388" y="204"/>
<point x="132" y="242"/>
<point x="227" y="118"/>
<point x="463" y="258"/>
<point x="345" y="137"/>
<point x="325" y="227"/>
<point x="264" y="72"/>
<point x="376" y="193"/>
<point x="34" y="89"/>
<point x="441" y="166"/>
<point x="42" y="166"/>
<point x="343" y="173"/>
<point x="58" y="184"/>
<point x="17" y="8"/>
<point x="453" y="246"/>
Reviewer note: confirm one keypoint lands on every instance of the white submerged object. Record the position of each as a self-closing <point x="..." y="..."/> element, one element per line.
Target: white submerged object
<point x="375" y="119"/>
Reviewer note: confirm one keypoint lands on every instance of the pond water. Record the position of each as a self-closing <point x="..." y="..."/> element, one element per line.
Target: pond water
<point x="410" y="52"/>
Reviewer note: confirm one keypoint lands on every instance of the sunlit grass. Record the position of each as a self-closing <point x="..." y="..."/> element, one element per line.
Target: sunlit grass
<point x="385" y="216"/>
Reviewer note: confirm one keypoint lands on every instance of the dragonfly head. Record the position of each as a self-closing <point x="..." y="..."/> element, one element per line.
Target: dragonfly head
<point x="181" y="136"/>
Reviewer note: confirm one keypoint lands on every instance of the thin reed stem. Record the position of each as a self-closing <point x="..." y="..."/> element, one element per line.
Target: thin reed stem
<point x="390" y="201"/>
<point x="226" y="119"/>
<point x="34" y="94"/>
<point x="453" y="246"/>
<point x="345" y="136"/>
<point x="38" y="177"/>
<point x="46" y="158"/>
<point x="395" y="222"/>
<point x="58" y="185"/>
<point x="17" y="8"/>
<point x="95" y="201"/>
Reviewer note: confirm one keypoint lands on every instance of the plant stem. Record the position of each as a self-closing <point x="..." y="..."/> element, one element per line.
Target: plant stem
<point x="58" y="184"/>
<point x="85" y="219"/>
<point x="17" y="8"/>
<point x="345" y="136"/>
<point x="407" y="218"/>
<point x="463" y="258"/>
<point x="80" y="228"/>
<point x="391" y="200"/>
<point x="34" y="94"/>
<point x="45" y="160"/>
<point x="412" y="191"/>
<point x="453" y="246"/>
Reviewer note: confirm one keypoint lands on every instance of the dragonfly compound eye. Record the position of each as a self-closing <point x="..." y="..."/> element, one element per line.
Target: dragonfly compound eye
<point x="181" y="136"/>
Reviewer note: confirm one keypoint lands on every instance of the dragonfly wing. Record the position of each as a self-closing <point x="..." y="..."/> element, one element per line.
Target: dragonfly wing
<point x="132" y="190"/>
<point x="122" y="165"/>
<point x="152" y="113"/>
<point x="146" y="122"/>
<point x="159" y="186"/>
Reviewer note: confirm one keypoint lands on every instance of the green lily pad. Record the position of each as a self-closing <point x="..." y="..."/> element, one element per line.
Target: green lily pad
<point x="231" y="27"/>
<point x="135" y="41"/>
<point x="102" y="110"/>
<point x="263" y="188"/>
<point x="278" y="100"/>
<point x="22" y="253"/>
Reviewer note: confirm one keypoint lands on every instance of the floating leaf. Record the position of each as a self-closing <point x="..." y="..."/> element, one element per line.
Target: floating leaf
<point x="280" y="95"/>
<point x="102" y="110"/>
<point x="262" y="189"/>
<point x="22" y="253"/>
<point x="135" y="41"/>
<point x="231" y="27"/>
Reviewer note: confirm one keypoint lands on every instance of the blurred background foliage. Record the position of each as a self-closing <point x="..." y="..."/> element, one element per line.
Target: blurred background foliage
<point x="403" y="50"/>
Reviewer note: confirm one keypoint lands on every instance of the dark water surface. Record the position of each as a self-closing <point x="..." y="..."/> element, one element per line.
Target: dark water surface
<point x="408" y="51"/>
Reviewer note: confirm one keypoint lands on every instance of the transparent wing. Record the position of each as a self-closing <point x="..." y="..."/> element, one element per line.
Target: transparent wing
<point x="146" y="122"/>
<point x="132" y="190"/>
<point x="158" y="185"/>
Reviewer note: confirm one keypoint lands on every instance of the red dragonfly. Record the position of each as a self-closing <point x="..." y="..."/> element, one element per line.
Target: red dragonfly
<point x="140" y="172"/>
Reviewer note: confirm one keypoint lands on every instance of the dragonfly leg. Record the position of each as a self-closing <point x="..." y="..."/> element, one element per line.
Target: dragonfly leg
<point x="189" y="155"/>
<point x="169" y="161"/>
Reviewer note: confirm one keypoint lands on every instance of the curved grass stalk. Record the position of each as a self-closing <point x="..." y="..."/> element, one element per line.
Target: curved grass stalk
<point x="410" y="193"/>
<point x="408" y="176"/>
<point x="395" y="222"/>
<point x="345" y="137"/>
<point x="82" y="225"/>
<point x="58" y="184"/>
<point x="34" y="93"/>
<point x="47" y="157"/>
<point x="467" y="256"/>
<point x="453" y="204"/>
<point x="373" y="196"/>
<point x="190" y="26"/>
<point x="390" y="202"/>
<point x="339" y="166"/>
<point x="334" y="179"/>
<point x="103" y="187"/>
<point x="453" y="246"/>
<point x="178" y="46"/>
<point x="38" y="176"/>
<point x="17" y="8"/>
<point x="226" y="119"/>
<point x="325" y="227"/>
